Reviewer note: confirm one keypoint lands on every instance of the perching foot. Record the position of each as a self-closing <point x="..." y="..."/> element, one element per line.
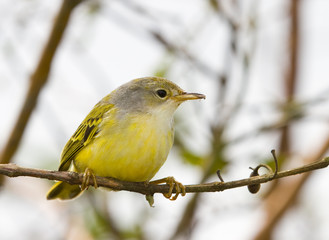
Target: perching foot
<point x="86" y="179"/>
<point x="179" y="187"/>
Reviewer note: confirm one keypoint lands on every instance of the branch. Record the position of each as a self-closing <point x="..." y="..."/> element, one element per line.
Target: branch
<point x="38" y="79"/>
<point x="283" y="197"/>
<point x="12" y="170"/>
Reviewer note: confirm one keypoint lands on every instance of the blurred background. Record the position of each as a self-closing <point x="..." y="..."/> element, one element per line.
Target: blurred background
<point x="263" y="66"/>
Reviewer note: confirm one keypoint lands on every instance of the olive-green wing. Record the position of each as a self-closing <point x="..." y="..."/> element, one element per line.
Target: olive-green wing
<point x="87" y="130"/>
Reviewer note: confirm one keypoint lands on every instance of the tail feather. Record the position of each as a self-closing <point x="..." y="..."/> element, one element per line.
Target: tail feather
<point x="63" y="191"/>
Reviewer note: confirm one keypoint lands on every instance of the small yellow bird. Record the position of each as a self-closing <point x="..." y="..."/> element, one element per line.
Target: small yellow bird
<point x="127" y="135"/>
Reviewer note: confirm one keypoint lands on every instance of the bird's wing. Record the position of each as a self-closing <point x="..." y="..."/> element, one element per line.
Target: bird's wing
<point x="87" y="130"/>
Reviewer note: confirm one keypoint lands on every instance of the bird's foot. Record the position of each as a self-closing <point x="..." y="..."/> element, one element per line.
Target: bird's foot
<point x="86" y="179"/>
<point x="179" y="187"/>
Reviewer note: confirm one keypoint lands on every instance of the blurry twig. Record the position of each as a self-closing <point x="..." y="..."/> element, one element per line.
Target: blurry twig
<point x="291" y="75"/>
<point x="274" y="214"/>
<point x="38" y="79"/>
<point x="285" y="195"/>
<point x="12" y="170"/>
<point x="103" y="218"/>
<point x="219" y="141"/>
<point x="182" y="52"/>
<point x="178" y="50"/>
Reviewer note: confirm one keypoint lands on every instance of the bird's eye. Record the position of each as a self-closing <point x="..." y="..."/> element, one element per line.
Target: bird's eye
<point x="161" y="93"/>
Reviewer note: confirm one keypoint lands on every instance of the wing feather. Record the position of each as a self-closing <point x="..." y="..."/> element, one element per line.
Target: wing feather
<point x="85" y="133"/>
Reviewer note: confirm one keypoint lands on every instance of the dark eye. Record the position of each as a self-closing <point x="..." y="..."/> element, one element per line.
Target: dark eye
<point x="161" y="93"/>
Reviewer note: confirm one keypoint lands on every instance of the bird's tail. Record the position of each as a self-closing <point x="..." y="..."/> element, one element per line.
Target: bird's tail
<point x="63" y="191"/>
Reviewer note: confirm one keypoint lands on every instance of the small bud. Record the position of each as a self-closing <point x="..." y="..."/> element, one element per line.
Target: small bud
<point x="254" y="188"/>
<point x="150" y="200"/>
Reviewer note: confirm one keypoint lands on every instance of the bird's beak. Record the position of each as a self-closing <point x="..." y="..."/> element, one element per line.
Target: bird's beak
<point x="188" y="96"/>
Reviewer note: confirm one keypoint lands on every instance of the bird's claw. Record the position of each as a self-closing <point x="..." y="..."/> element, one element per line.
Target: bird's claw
<point x="179" y="187"/>
<point x="86" y="179"/>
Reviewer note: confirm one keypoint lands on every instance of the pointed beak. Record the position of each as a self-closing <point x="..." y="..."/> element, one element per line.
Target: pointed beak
<point x="188" y="96"/>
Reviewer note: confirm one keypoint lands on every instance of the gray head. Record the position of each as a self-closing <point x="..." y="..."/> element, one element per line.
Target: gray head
<point x="149" y="95"/>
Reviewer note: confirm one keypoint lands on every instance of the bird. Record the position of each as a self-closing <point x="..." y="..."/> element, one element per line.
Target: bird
<point x="127" y="135"/>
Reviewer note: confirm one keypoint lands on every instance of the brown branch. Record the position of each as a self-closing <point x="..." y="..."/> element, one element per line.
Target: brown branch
<point x="38" y="79"/>
<point x="291" y="75"/>
<point x="291" y="78"/>
<point x="275" y="209"/>
<point x="282" y="198"/>
<point x="12" y="170"/>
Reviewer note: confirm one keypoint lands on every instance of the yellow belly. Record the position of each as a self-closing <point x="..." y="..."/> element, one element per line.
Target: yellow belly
<point x="133" y="150"/>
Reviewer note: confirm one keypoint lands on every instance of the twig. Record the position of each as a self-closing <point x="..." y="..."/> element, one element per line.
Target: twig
<point x="38" y="79"/>
<point x="219" y="176"/>
<point x="254" y="188"/>
<point x="291" y="83"/>
<point x="285" y="195"/>
<point x="276" y="162"/>
<point x="12" y="170"/>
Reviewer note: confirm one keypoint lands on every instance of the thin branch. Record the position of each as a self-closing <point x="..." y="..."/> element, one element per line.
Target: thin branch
<point x="282" y="198"/>
<point x="12" y="170"/>
<point x="291" y="78"/>
<point x="274" y="214"/>
<point x="38" y="79"/>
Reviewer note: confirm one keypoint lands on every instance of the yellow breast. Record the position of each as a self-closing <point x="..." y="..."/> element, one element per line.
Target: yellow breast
<point x="130" y="149"/>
